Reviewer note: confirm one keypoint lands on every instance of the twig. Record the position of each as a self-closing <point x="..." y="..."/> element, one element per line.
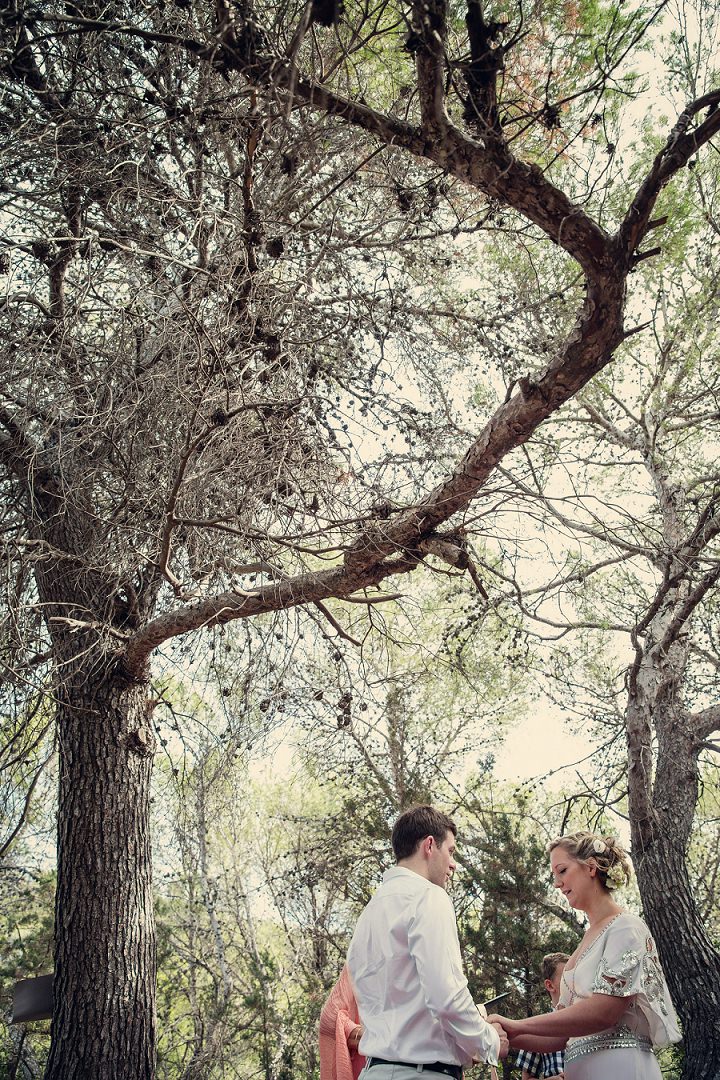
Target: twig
<point x="336" y="625"/>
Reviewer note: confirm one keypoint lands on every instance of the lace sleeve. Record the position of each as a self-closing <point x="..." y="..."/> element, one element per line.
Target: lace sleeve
<point x="630" y="967"/>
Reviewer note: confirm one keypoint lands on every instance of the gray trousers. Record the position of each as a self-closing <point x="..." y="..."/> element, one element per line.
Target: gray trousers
<point x="400" y="1072"/>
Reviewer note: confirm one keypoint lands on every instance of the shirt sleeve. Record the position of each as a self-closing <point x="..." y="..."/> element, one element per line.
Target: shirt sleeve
<point x="434" y="946"/>
<point x="531" y="1062"/>
<point x="630" y="967"/>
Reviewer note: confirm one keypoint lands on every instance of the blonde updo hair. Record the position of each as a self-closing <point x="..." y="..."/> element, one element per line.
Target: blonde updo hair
<point x="613" y="864"/>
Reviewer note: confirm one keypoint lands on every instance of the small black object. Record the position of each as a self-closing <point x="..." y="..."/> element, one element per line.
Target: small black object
<point x="33" y="999"/>
<point x="326" y="12"/>
<point x="493" y="1001"/>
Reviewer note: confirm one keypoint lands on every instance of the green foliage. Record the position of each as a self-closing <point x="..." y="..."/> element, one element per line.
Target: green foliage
<point x="509" y="919"/>
<point x="26" y="941"/>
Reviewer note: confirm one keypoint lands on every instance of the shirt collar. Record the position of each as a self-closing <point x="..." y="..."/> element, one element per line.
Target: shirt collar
<point x="402" y="871"/>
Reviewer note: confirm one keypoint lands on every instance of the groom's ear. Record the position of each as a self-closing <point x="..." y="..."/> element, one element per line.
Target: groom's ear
<point x="427" y="845"/>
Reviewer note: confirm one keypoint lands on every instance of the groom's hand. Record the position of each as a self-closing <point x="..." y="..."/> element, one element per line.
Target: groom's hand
<point x="511" y="1028"/>
<point x="504" y="1044"/>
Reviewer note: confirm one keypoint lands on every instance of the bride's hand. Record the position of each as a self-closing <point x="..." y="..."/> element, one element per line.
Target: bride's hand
<point x="353" y="1039"/>
<point x="511" y="1027"/>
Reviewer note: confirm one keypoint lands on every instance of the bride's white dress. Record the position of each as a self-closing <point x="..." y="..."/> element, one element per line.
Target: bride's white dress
<point x="623" y="962"/>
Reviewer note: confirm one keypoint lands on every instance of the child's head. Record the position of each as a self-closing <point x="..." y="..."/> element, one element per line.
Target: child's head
<point x="552" y="969"/>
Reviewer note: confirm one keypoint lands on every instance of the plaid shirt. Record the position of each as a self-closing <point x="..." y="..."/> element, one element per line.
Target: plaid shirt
<point x="540" y="1065"/>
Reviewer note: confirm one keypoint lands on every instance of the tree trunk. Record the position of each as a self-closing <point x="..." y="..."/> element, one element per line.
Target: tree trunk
<point x="690" y="963"/>
<point x="661" y="825"/>
<point x="104" y="989"/>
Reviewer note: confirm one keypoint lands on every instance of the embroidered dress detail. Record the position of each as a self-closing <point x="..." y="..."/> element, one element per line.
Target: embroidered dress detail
<point x="614" y="978"/>
<point x="624" y="965"/>
<point x="654" y="978"/>
<point x="620" y="1038"/>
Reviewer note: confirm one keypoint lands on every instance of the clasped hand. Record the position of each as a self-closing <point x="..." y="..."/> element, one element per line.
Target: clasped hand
<point x="504" y="1043"/>
<point x="510" y="1029"/>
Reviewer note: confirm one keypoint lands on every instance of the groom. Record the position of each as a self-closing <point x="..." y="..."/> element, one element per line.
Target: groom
<point x="404" y="961"/>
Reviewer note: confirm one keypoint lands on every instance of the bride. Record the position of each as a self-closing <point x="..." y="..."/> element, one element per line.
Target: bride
<point x="614" y="1002"/>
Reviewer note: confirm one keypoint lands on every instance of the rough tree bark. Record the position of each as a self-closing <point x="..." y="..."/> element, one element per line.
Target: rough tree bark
<point x="690" y="961"/>
<point x="664" y="743"/>
<point x="105" y="974"/>
<point x="104" y="982"/>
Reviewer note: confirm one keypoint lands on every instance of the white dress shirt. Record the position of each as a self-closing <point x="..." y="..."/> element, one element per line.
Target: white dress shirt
<point x="406" y="970"/>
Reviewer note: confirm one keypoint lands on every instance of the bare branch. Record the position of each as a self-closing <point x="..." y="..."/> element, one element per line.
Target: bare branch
<point x="706" y="722"/>
<point x="340" y="631"/>
<point x="20" y="824"/>
<point x="679" y="148"/>
<point x="687" y="607"/>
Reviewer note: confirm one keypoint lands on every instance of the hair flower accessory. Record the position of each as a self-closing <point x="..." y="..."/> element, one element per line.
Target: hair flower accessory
<point x="599" y="846"/>
<point x="615" y="877"/>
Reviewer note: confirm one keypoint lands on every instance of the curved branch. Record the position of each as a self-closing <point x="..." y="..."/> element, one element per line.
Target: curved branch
<point x="688" y="606"/>
<point x="586" y="353"/>
<point x="7" y="843"/>
<point x="20" y="456"/>
<point x="706" y="722"/>
<point x="679" y="148"/>
<point x="274" y="596"/>
<point x="387" y="548"/>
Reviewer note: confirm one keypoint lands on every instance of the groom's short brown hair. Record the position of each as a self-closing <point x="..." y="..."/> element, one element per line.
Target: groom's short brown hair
<point x="415" y="824"/>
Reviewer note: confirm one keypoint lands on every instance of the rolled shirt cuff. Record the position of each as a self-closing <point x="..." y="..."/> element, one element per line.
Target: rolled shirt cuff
<point x="493" y="1057"/>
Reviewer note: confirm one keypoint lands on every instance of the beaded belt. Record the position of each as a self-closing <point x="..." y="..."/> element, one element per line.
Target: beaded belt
<point x="620" y="1038"/>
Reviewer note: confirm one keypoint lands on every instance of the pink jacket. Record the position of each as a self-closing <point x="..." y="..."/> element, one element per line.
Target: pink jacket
<point x="338" y="1018"/>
